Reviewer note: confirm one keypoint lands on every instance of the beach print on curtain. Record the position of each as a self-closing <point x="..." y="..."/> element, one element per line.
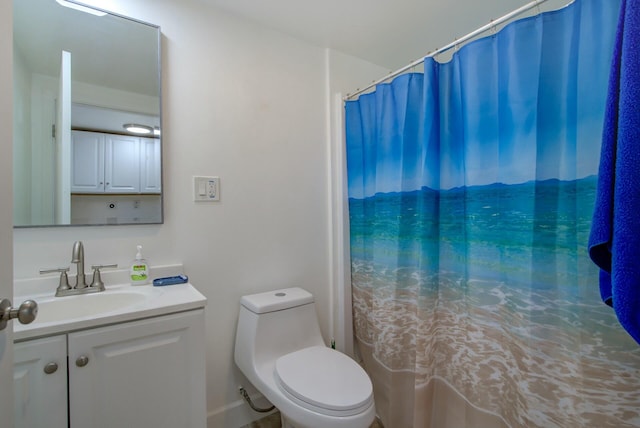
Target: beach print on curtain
<point x="471" y="191"/>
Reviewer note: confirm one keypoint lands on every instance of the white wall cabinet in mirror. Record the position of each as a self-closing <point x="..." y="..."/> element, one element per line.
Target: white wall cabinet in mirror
<point x="121" y="164"/>
<point x="87" y="162"/>
<point x="115" y="80"/>
<point x="115" y="179"/>
<point x="150" y="165"/>
<point x="108" y="163"/>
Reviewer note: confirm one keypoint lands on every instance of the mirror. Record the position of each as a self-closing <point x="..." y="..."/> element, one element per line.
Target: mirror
<point x="80" y="75"/>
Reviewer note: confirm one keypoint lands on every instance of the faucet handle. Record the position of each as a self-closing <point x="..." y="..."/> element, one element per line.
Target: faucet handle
<point x="97" y="279"/>
<point x="62" y="269"/>
<point x="63" y="284"/>
<point x="115" y="265"/>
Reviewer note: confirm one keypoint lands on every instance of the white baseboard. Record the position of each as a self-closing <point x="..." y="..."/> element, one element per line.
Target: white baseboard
<point x="238" y="413"/>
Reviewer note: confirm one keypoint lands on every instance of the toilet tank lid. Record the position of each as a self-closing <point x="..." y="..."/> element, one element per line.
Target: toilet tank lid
<point x="276" y="300"/>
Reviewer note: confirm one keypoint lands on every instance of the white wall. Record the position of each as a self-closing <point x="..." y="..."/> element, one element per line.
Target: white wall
<point x="344" y="74"/>
<point x="246" y="104"/>
<point x="115" y="208"/>
<point x="251" y="106"/>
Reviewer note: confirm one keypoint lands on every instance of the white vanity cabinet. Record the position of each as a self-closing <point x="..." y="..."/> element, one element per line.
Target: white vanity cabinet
<point x="40" y="383"/>
<point x="145" y="373"/>
<point x="109" y="163"/>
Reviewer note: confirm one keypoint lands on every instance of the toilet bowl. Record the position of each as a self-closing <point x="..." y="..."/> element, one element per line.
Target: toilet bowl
<point x="280" y="350"/>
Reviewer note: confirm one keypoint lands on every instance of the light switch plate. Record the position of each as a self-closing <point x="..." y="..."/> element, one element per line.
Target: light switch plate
<point x="206" y="189"/>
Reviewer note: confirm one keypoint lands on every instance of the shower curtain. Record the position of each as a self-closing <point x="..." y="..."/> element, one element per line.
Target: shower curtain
<point x="471" y="189"/>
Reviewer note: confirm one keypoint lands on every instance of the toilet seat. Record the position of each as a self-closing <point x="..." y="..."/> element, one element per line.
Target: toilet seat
<point x="324" y="380"/>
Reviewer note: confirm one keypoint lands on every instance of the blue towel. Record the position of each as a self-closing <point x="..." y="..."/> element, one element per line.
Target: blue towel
<point x="614" y="243"/>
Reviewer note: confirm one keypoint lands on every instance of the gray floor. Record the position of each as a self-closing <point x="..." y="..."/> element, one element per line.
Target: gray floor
<point x="273" y="421"/>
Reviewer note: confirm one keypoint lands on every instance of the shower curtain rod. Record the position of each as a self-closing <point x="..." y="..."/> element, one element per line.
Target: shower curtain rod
<point x="453" y="44"/>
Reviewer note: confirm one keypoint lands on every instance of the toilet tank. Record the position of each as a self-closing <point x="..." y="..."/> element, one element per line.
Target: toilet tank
<point x="276" y="300"/>
<point x="275" y="323"/>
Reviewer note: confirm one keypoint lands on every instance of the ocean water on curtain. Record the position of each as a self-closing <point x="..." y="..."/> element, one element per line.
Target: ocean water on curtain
<point x="471" y="193"/>
<point x="503" y="272"/>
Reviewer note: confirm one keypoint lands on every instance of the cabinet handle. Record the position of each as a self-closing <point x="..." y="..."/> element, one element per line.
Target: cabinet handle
<point x="82" y="361"/>
<point x="51" y="368"/>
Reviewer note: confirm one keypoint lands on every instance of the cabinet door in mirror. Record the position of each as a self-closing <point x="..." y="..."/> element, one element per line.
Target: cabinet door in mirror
<point x="85" y="73"/>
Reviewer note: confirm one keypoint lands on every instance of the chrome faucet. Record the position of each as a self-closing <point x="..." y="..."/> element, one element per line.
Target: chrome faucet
<point x="77" y="257"/>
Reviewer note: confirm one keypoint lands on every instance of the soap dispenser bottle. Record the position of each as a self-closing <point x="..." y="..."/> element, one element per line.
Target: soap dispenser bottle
<point x="139" y="269"/>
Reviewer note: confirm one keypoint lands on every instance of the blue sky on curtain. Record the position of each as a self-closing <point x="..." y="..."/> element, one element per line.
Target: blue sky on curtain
<point x="471" y="189"/>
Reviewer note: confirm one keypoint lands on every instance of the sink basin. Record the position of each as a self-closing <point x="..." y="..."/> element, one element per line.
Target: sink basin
<point x="87" y="305"/>
<point x="120" y="302"/>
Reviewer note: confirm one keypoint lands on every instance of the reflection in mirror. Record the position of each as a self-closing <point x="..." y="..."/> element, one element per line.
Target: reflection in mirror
<point x="79" y="78"/>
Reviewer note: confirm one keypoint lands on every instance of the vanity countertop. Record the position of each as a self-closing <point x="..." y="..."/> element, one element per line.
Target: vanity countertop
<point x="104" y="308"/>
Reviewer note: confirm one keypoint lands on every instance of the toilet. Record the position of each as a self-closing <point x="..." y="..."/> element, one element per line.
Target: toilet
<point x="280" y="350"/>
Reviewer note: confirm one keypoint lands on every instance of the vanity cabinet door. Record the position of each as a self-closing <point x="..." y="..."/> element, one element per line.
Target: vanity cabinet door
<point x="40" y="383"/>
<point x="121" y="164"/>
<point x="150" y="166"/>
<point x="147" y="373"/>
<point x="87" y="162"/>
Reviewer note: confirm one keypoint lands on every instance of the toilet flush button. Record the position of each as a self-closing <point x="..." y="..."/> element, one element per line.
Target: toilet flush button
<point x="281" y="294"/>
